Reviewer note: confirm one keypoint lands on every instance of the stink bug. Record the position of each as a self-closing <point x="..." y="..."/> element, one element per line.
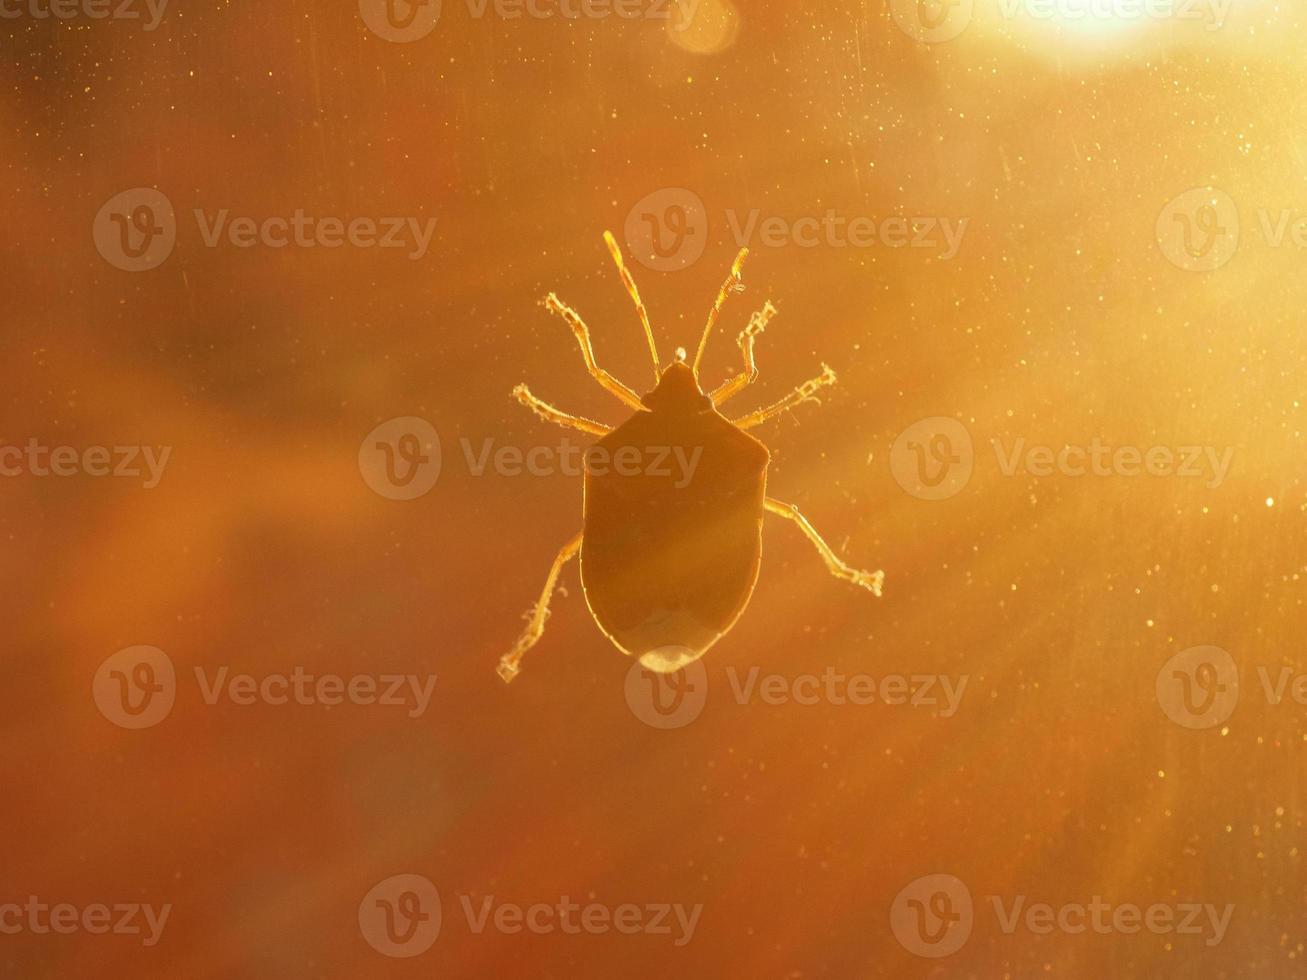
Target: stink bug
<point x="667" y="568"/>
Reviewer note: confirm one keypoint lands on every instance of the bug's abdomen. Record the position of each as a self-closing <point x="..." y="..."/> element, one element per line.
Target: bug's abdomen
<point x="670" y="553"/>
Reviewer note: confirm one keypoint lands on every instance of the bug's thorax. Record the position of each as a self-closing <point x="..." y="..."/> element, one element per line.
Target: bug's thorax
<point x="678" y="393"/>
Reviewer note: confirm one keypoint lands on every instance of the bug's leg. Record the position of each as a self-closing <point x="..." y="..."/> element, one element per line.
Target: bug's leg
<point x="634" y="292"/>
<point x="551" y="414"/>
<point x="733" y="386"/>
<point x="509" y="663"/>
<point x="804" y="393"/>
<point x="872" y="581"/>
<point x="733" y="284"/>
<point x="623" y="394"/>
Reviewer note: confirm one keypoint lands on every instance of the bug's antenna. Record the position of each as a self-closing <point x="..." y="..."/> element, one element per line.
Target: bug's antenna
<point x="733" y="284"/>
<point x="634" y="293"/>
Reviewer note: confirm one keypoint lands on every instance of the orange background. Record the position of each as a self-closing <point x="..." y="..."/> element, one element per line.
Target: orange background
<point x="795" y="826"/>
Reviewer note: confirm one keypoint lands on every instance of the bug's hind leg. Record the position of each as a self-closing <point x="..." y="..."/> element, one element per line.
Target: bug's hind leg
<point x="872" y="581"/>
<point x="623" y="394"/>
<point x="550" y="414"/>
<point x="804" y="393"/>
<point x="733" y="386"/>
<point x="509" y="663"/>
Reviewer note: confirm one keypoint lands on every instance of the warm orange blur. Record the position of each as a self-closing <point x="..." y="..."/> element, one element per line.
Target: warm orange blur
<point x="1060" y="319"/>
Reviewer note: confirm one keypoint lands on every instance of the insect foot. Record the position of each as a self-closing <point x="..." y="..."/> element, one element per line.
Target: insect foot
<point x="873" y="582"/>
<point x="805" y="392"/>
<point x="510" y="664"/>
<point x="810" y="388"/>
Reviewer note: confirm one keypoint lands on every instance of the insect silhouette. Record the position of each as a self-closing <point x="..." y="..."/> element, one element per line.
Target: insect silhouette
<point x="667" y="566"/>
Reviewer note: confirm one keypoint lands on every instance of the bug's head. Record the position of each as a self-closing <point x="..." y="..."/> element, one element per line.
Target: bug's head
<point x="678" y="390"/>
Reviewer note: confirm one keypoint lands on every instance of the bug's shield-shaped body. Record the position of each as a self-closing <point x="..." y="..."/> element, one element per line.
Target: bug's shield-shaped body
<point x="670" y="552"/>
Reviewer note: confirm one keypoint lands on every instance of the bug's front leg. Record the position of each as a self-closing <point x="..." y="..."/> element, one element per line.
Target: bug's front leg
<point x="509" y="663"/>
<point x="872" y="581"/>
<point x="550" y="414"/>
<point x="573" y="319"/>
<point x="733" y="386"/>
<point x="803" y="393"/>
